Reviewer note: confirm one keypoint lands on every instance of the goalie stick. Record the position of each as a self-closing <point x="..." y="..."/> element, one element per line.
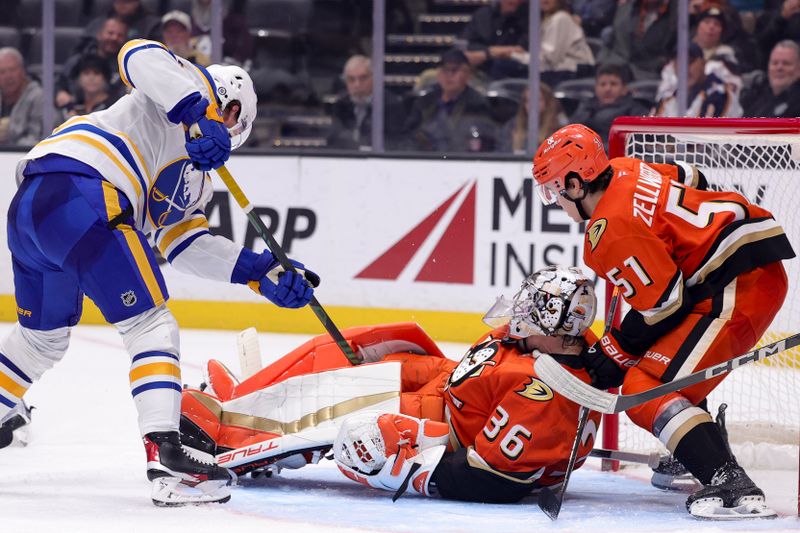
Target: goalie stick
<point x="548" y="502"/>
<point x="576" y="390"/>
<point x="280" y="255"/>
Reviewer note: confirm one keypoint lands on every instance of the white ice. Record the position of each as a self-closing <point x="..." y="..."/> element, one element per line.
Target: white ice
<point x="83" y="470"/>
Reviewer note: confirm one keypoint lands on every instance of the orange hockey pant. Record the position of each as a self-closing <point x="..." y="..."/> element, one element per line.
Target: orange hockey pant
<point x="717" y="329"/>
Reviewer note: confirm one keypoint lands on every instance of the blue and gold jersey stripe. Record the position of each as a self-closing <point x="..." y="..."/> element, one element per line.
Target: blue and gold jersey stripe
<point x="130" y="48"/>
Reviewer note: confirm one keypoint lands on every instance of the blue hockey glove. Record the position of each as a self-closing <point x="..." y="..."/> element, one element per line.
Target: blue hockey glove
<point x="209" y="144"/>
<point x="283" y="288"/>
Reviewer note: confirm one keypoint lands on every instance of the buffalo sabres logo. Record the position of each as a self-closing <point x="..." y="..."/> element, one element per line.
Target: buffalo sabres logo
<point x="473" y="362"/>
<point x="128" y="298"/>
<point x="596" y="231"/>
<point x="536" y="390"/>
<point x="178" y="188"/>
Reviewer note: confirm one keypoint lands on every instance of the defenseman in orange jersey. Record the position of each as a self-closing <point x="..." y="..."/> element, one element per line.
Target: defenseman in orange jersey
<point x="694" y="265"/>
<point x="509" y="433"/>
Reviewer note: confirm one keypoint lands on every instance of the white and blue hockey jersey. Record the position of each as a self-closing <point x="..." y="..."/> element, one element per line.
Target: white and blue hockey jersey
<point x="138" y="145"/>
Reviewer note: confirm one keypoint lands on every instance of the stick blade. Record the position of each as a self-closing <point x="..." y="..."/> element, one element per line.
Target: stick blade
<point x="549" y="503"/>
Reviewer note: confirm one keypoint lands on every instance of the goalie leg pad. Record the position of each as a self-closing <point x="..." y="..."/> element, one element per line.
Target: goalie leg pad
<point x="151" y="339"/>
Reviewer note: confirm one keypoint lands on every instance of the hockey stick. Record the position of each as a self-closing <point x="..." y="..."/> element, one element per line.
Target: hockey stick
<point x="280" y="255"/>
<point x="576" y="390"/>
<point x="548" y="502"/>
<point x="651" y="459"/>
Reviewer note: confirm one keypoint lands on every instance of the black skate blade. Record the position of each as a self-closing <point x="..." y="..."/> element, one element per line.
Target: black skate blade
<point x="548" y="503"/>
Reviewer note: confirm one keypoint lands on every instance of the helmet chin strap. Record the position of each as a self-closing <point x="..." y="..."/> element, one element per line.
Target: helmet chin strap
<point x="577" y="201"/>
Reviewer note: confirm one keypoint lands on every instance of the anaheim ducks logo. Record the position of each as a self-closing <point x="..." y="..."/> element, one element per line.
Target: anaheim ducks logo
<point x="537" y="391"/>
<point x="595" y="232"/>
<point x="473" y="362"/>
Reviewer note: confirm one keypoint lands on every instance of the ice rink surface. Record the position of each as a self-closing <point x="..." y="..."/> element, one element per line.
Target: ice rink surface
<point x="83" y="470"/>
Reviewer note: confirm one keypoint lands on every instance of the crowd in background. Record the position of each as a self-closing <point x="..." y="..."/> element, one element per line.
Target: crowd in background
<point x="599" y="59"/>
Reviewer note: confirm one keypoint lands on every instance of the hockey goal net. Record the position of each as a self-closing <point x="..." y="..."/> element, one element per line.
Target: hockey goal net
<point x="760" y="158"/>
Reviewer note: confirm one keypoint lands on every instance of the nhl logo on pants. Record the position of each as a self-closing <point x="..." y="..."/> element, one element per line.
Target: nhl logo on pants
<point x="128" y="298"/>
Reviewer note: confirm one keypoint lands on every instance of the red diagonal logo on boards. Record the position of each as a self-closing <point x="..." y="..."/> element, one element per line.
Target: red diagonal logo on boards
<point x="453" y="259"/>
<point x="458" y="239"/>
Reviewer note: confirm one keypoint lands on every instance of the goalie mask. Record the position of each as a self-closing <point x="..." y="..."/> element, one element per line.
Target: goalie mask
<point x="234" y="85"/>
<point x="553" y="301"/>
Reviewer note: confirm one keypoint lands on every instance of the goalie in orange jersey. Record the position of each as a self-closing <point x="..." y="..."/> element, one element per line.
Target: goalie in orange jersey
<point x="506" y="431"/>
<point x="693" y="264"/>
<point x="485" y="429"/>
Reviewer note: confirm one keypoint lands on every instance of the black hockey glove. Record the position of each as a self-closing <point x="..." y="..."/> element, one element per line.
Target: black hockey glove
<point x="607" y="363"/>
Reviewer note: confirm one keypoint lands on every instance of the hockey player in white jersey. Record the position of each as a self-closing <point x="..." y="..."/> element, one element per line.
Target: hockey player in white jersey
<point x="89" y="196"/>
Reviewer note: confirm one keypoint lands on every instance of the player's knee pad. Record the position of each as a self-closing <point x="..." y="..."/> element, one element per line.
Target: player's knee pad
<point x="155" y="330"/>
<point x="35" y="351"/>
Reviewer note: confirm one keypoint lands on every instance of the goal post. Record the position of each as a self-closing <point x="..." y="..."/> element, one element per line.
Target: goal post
<point x="760" y="159"/>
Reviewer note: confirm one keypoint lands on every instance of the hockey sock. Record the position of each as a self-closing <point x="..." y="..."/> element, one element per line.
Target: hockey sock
<point x="26" y="354"/>
<point x="13" y="385"/>
<point x="155" y="377"/>
<point x="703" y="451"/>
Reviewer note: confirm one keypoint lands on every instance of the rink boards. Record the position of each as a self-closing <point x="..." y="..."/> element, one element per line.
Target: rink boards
<point x="432" y="241"/>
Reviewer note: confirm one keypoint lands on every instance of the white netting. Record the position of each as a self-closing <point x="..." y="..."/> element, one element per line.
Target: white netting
<point x="764" y="408"/>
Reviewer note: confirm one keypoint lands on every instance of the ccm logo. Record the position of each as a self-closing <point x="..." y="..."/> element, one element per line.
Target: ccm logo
<point x="246" y="452"/>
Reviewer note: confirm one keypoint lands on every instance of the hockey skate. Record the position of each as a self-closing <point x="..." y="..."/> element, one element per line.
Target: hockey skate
<point x="180" y="479"/>
<point x="671" y="475"/>
<point x="14" y="427"/>
<point x="731" y="495"/>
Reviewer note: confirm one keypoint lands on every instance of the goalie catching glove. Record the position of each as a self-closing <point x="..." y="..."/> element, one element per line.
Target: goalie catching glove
<point x="390" y="451"/>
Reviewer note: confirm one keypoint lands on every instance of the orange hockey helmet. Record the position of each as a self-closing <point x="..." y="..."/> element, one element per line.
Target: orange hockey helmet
<point x="573" y="148"/>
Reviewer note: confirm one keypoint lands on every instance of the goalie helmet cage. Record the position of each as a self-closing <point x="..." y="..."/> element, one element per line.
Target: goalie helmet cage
<point x="759" y="158"/>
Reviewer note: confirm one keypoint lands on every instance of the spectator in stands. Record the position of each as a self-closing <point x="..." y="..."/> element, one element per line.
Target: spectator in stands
<point x="778" y="25"/>
<point x="352" y="110"/>
<point x="496" y="33"/>
<point x="514" y="137"/>
<point x="594" y="15"/>
<point x="713" y="89"/>
<point x="20" y="102"/>
<point x="642" y="35"/>
<point x="564" y="53"/>
<point x="452" y="117"/>
<point x="141" y="23"/>
<point x="711" y="24"/>
<point x="237" y="44"/>
<point x="733" y="41"/>
<point x="176" y="27"/>
<point x="611" y="100"/>
<point x="779" y="94"/>
<point x="106" y="45"/>
<point x="94" y="80"/>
